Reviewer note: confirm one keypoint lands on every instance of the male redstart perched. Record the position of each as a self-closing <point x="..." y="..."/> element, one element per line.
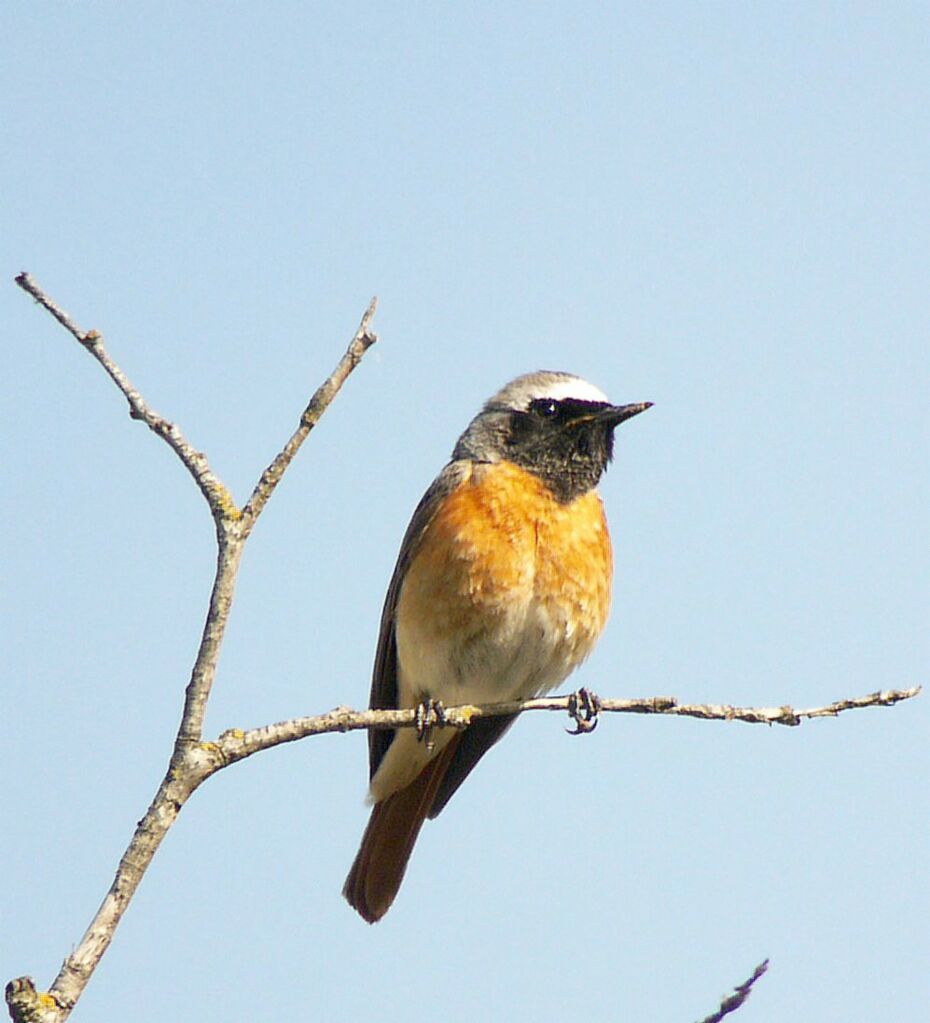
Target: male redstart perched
<point x="501" y="588"/>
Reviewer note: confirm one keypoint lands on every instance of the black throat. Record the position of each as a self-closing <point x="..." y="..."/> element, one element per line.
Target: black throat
<point x="563" y="443"/>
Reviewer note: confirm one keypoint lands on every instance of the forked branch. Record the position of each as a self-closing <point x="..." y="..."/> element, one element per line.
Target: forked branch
<point x="191" y="761"/>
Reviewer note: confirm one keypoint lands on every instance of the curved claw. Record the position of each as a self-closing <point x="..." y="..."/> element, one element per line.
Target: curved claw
<point x="430" y="714"/>
<point x="583" y="708"/>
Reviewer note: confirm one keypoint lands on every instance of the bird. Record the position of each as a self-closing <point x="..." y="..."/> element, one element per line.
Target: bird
<point x="501" y="589"/>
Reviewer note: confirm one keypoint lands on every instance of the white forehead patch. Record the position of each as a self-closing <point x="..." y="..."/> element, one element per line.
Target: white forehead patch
<point x="571" y="387"/>
<point x="546" y="384"/>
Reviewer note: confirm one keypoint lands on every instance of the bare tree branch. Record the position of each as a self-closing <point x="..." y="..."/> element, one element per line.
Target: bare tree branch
<point x="229" y="555"/>
<point x="27" y="1005"/>
<point x="319" y="403"/>
<point x="217" y="496"/>
<point x="193" y="760"/>
<point x="236" y="744"/>
<point x="732" y="1002"/>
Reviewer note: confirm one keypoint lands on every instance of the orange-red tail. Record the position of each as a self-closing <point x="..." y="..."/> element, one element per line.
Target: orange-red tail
<point x="395" y="822"/>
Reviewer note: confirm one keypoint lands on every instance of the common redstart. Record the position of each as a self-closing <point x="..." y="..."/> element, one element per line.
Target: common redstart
<point x="501" y="588"/>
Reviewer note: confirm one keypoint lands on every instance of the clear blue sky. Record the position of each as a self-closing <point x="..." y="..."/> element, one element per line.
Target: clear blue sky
<point x="720" y="208"/>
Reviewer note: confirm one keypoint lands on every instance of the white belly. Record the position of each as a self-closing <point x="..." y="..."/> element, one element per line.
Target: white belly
<point x="522" y="655"/>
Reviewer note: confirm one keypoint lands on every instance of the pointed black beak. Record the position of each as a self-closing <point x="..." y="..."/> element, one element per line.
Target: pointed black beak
<point x="616" y="414"/>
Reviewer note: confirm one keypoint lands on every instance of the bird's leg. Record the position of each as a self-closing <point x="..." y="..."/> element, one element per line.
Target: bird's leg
<point x="583" y="708"/>
<point x="430" y="714"/>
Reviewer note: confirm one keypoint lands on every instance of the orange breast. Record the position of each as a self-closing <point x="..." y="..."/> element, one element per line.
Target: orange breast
<point x="502" y="553"/>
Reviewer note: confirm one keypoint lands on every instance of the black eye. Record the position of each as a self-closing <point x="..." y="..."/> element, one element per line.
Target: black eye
<point x="547" y="408"/>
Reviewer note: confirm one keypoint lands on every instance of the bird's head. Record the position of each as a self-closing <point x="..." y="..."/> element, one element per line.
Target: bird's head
<point x="555" y="425"/>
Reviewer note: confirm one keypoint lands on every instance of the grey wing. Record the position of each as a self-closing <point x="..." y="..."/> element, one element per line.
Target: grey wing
<point x="384" y="677"/>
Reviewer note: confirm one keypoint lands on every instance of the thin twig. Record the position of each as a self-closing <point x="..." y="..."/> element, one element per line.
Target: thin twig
<point x="236" y="744"/>
<point x="324" y="394"/>
<point x="217" y="496"/>
<point x="732" y="1002"/>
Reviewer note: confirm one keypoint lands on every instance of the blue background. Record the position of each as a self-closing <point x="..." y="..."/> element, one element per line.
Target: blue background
<point x="721" y="208"/>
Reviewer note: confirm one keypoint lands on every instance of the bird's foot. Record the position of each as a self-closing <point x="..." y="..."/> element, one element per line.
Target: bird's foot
<point x="430" y="715"/>
<point x="583" y="708"/>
